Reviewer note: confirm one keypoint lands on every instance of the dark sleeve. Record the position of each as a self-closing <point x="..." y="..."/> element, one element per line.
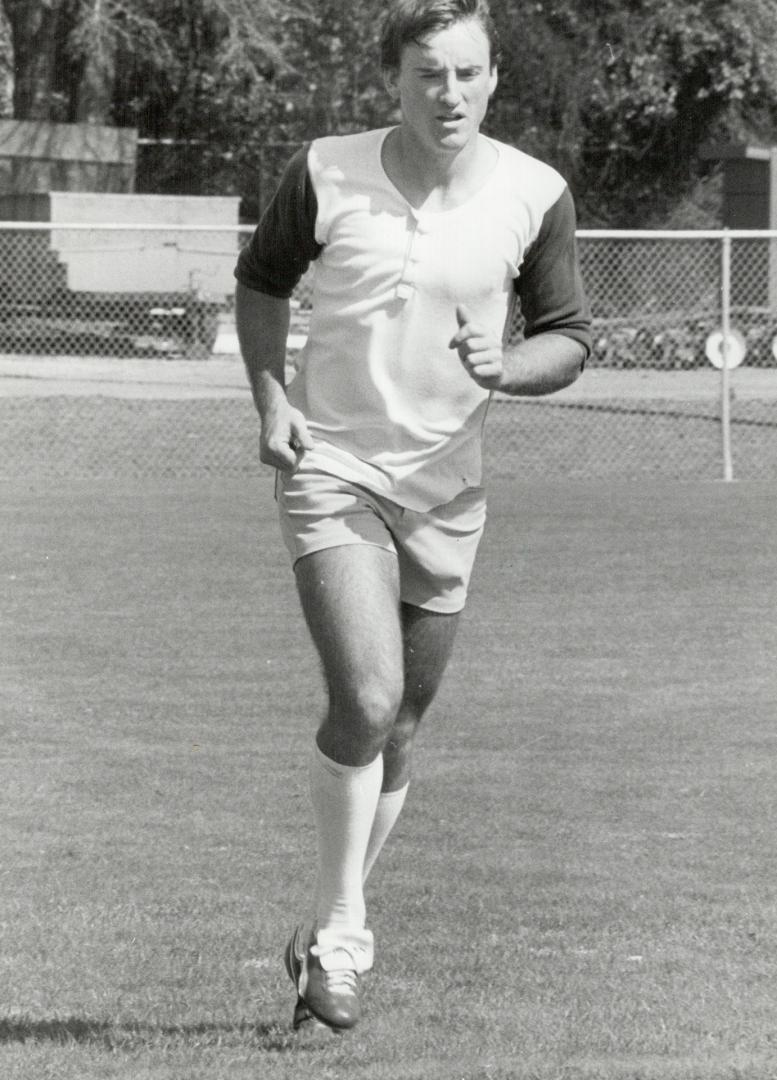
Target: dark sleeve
<point x="549" y="284"/>
<point x="284" y="242"/>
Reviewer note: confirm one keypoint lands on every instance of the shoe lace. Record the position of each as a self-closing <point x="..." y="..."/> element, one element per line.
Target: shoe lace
<point x="341" y="981"/>
<point x="340" y="969"/>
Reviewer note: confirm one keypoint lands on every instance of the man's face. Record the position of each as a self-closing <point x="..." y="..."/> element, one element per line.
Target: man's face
<point x="444" y="86"/>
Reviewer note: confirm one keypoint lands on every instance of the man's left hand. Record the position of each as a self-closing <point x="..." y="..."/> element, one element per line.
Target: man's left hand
<point x="479" y="351"/>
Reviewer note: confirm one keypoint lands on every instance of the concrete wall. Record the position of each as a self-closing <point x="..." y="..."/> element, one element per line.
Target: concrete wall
<point x="138" y="261"/>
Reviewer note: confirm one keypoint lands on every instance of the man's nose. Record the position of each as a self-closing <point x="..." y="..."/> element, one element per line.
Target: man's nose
<point x="449" y="92"/>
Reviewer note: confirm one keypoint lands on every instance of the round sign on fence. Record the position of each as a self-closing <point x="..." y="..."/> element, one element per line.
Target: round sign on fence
<point x="735" y="349"/>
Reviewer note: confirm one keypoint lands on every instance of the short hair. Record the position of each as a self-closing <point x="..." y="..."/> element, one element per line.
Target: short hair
<point x="408" y="21"/>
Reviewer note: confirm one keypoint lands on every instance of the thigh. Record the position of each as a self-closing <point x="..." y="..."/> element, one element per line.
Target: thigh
<point x="428" y="638"/>
<point x="350" y="597"/>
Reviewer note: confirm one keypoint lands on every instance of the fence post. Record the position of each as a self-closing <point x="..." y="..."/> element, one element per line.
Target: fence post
<point x="725" y="379"/>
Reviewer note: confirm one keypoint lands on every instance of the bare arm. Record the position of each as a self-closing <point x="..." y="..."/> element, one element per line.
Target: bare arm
<point x="262" y="323"/>
<point x="539" y="365"/>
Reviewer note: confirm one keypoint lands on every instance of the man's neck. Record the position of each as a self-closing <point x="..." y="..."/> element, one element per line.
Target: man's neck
<point x="432" y="181"/>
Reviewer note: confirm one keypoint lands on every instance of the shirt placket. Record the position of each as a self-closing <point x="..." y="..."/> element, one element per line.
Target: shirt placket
<point x="417" y="230"/>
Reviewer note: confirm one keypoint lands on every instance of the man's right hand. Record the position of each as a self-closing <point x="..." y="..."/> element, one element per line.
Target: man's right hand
<point x="285" y="437"/>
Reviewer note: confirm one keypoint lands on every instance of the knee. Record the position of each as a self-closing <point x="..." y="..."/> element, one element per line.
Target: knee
<point x="377" y="704"/>
<point x="371" y="707"/>
<point x="398" y="751"/>
<point x="416" y="700"/>
<point x="400" y="740"/>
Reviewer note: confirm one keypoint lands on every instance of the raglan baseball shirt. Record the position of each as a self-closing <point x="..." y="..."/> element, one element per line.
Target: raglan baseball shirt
<point x="387" y="401"/>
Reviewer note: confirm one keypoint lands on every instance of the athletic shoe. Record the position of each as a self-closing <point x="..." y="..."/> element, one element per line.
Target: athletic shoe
<point x="325" y="975"/>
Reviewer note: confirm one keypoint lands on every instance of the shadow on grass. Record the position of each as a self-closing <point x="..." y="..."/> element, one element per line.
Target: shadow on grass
<point x="117" y="1035"/>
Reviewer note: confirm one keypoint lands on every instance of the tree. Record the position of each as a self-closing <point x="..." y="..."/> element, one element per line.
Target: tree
<point x="168" y="69"/>
<point x="78" y="59"/>
<point x="623" y="95"/>
<point x="330" y="83"/>
<point x="620" y="95"/>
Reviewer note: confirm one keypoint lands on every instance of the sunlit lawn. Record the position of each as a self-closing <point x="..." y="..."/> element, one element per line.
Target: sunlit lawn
<point x="582" y="884"/>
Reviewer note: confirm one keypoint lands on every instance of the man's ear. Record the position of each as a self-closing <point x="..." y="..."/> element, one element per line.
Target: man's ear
<point x="494" y="79"/>
<point x="390" y="82"/>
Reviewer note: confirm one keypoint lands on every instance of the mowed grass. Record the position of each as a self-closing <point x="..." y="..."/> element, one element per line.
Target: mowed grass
<point x="582" y="883"/>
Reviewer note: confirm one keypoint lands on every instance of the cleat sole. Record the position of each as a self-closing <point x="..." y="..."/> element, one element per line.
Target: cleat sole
<point x="309" y="1027"/>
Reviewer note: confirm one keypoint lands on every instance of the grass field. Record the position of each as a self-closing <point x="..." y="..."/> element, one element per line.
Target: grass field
<point x="582" y="884"/>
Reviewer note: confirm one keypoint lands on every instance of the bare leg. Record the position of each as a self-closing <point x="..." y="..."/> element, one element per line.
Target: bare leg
<point x="350" y="597"/>
<point x="428" y="638"/>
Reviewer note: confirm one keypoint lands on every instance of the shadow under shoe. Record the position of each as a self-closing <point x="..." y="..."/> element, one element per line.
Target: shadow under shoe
<point x="311" y="1030"/>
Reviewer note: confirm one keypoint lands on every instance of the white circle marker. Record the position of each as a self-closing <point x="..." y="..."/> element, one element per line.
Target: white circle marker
<point x="735" y="349"/>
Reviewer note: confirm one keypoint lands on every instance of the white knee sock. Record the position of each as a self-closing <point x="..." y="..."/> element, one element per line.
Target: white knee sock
<point x="389" y="808"/>
<point x="344" y="801"/>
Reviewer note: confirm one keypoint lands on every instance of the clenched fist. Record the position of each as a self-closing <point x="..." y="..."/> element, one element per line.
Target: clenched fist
<point x="479" y="351"/>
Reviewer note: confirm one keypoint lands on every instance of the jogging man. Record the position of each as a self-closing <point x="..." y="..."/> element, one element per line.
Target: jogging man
<point x="421" y="235"/>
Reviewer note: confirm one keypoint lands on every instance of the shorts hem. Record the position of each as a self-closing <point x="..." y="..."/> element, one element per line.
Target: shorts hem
<point x="433" y="606"/>
<point x="357" y="541"/>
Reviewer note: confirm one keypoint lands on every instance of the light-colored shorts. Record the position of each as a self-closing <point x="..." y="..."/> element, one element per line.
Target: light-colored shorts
<point x="435" y="550"/>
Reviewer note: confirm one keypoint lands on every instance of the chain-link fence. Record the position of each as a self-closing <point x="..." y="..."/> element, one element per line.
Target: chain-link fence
<point x="652" y="402"/>
<point x="120" y="290"/>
